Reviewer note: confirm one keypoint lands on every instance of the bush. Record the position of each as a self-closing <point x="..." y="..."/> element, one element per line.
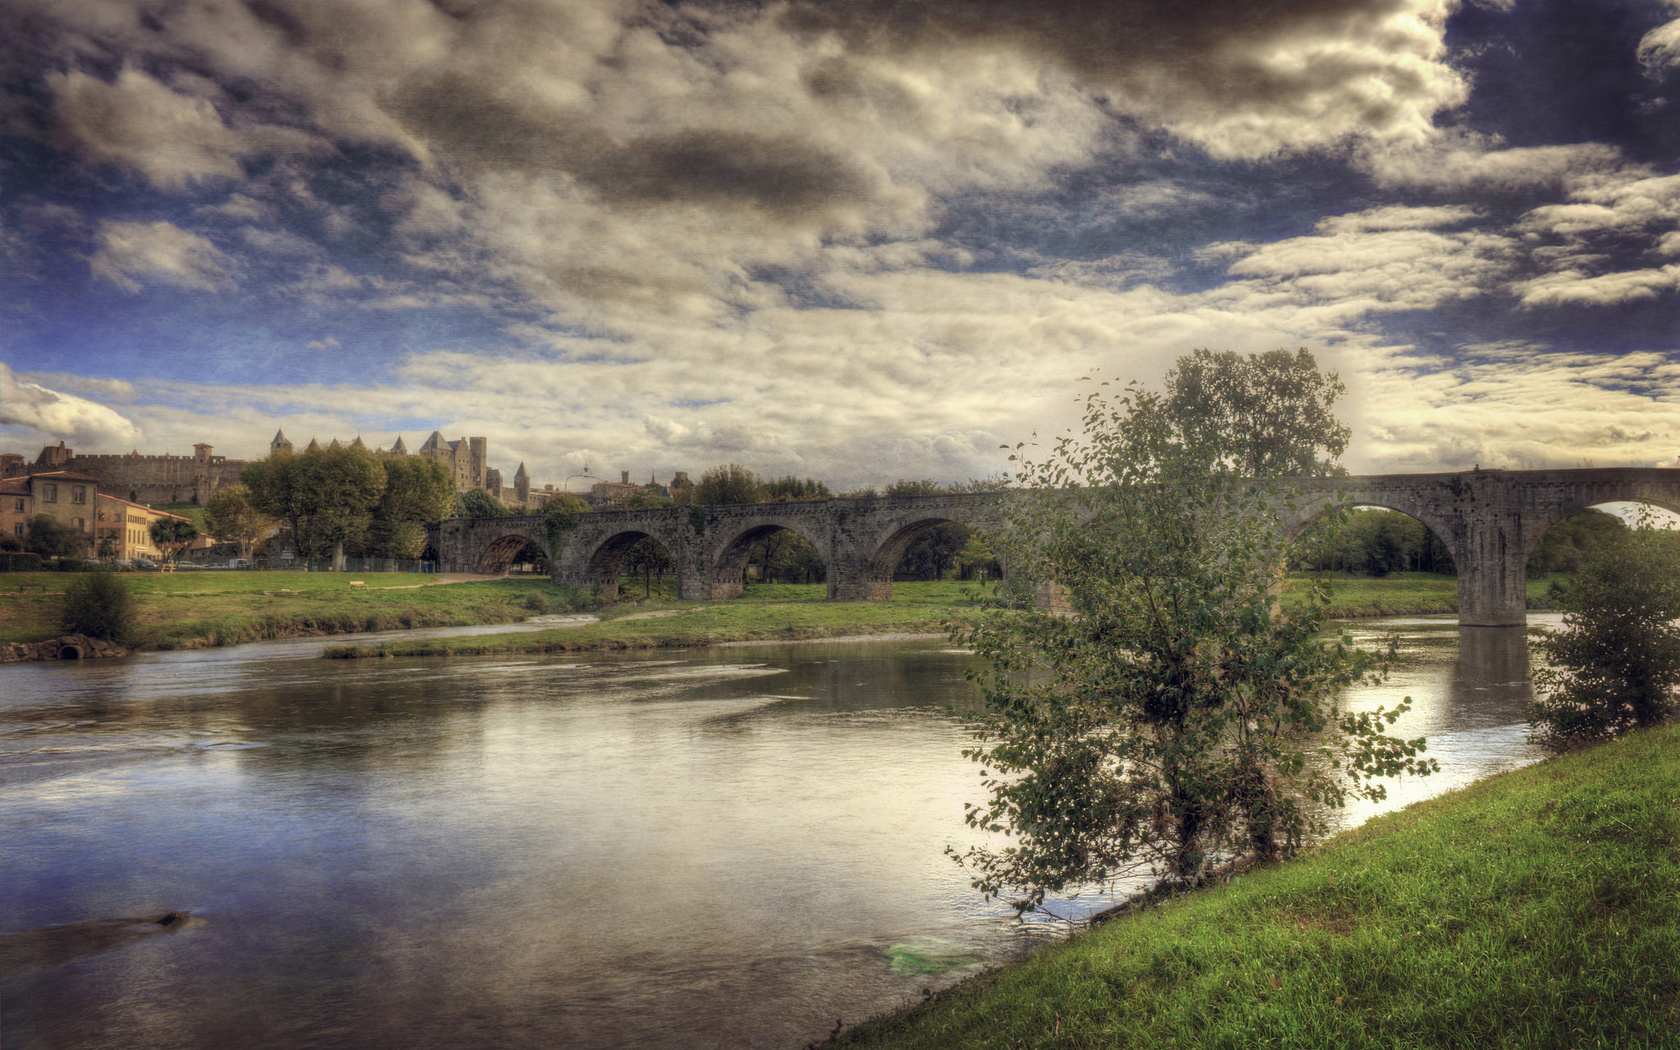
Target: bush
<point x="99" y="606"/>
<point x="20" y="563"/>
<point x="70" y="565"/>
<point x="1615" y="666"/>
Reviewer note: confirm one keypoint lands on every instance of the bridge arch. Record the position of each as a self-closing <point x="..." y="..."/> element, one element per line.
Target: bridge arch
<point x="1440" y="531"/>
<point x="497" y="555"/>
<point x="607" y="558"/>
<point x="729" y="565"/>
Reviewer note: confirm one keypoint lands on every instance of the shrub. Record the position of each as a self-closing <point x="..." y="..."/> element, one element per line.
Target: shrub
<point x="98" y="605"/>
<point x="20" y="563"/>
<point x="70" y="565"/>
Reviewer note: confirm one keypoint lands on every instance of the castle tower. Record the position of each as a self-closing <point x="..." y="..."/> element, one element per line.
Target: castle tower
<point x="279" y="444"/>
<point x="398" y="448"/>
<point x="522" y="485"/>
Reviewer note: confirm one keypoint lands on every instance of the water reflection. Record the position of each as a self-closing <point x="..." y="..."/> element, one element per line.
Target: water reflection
<point x="728" y="847"/>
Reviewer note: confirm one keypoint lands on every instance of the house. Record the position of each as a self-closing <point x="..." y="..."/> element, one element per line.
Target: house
<point x="63" y="495"/>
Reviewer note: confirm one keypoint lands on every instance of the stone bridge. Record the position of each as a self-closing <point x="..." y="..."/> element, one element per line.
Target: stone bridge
<point x="1491" y="520"/>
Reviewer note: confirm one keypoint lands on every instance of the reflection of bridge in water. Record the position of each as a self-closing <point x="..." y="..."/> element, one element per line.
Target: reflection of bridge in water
<point x="1491" y="521"/>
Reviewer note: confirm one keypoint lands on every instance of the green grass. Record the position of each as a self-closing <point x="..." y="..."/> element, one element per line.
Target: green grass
<point x="198" y="609"/>
<point x="766" y="612"/>
<point x="184" y="510"/>
<point x="1539" y="908"/>
<point x="1403" y="593"/>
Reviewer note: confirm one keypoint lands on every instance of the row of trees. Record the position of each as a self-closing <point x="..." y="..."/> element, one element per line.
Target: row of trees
<point x="1379" y="542"/>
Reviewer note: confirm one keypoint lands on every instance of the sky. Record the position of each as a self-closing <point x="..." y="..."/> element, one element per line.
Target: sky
<point x="858" y="240"/>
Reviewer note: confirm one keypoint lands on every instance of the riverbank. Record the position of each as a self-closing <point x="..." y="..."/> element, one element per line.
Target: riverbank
<point x="194" y="610"/>
<point x="1537" y="908"/>
<point x="189" y="610"/>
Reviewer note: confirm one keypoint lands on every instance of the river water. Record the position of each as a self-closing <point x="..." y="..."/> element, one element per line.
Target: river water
<point x="731" y="847"/>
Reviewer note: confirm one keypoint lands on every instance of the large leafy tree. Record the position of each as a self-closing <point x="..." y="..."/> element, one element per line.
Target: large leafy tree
<point x="1615" y="665"/>
<point x="327" y="496"/>
<point x="230" y="515"/>
<point x="1263" y="415"/>
<point x="478" y="503"/>
<point x="730" y="483"/>
<point x="418" y="489"/>
<point x="1177" y="718"/>
<point x="171" y="536"/>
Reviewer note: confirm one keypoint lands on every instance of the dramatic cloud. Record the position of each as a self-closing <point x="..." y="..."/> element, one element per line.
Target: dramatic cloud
<point x="36" y="414"/>
<point x="139" y="123"/>
<point x="132" y="252"/>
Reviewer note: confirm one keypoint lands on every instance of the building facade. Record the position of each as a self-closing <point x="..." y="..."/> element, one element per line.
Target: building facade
<point x="66" y="496"/>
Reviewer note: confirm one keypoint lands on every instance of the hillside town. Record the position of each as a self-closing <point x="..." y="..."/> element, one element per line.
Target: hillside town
<point x="114" y="500"/>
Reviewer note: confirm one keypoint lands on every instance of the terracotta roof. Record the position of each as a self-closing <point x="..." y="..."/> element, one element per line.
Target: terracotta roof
<point x="14" y="487"/>
<point x="65" y="475"/>
<point x="140" y="506"/>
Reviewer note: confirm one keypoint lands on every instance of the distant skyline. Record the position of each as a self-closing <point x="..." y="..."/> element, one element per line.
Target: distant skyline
<point x="855" y="239"/>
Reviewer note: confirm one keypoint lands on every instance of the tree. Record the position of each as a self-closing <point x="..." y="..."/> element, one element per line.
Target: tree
<point x="1615" y="666"/>
<point x="171" y="535"/>
<point x="98" y="605"/>
<point x="418" y="490"/>
<point x="1177" y="718"/>
<point x="924" y="487"/>
<point x="326" y="495"/>
<point x="230" y="515"/>
<point x="731" y="483"/>
<point x="791" y="488"/>
<point x="1266" y="415"/>
<point x="51" y="538"/>
<point x="560" y="514"/>
<point x="275" y="488"/>
<point x="477" y="503"/>
<point x="646" y="557"/>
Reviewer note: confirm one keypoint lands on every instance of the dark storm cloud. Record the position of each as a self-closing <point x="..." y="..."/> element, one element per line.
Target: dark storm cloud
<point x="468" y="122"/>
<point x="1359" y="63"/>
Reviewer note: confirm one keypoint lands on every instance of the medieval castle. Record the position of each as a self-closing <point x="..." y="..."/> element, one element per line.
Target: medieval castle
<point x="192" y="479"/>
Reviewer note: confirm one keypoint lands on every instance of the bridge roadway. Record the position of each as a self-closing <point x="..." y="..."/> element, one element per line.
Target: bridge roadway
<point x="1491" y="520"/>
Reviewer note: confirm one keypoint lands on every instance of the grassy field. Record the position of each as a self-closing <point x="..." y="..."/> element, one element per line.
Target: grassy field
<point x="1539" y="908"/>
<point x="184" y="610"/>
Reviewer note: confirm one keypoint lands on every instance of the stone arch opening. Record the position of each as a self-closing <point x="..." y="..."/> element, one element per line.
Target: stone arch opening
<point x="1377" y="540"/>
<point x="1569" y="541"/>
<point x="498" y="555"/>
<point x="771" y="553"/>
<point x="641" y="555"/>
<point x="70" y="651"/>
<point x="882" y="567"/>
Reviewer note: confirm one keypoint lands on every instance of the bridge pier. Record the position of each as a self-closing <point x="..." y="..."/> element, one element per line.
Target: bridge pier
<point x="1492" y="575"/>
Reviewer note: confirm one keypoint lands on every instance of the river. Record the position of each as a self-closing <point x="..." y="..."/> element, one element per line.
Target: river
<point x="730" y="847"/>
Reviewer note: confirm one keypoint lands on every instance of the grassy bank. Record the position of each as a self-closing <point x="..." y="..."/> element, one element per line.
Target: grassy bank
<point x="778" y="612"/>
<point x="1538" y="908"/>
<point x="194" y="609"/>
<point x="186" y="610"/>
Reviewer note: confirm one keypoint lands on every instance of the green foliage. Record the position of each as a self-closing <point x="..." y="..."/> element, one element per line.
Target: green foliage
<point x="98" y="605"/>
<point x="647" y="557"/>
<point x="171" y="535"/>
<point x="788" y="557"/>
<point x="1177" y="718"/>
<point x="730" y="483"/>
<point x="326" y="495"/>
<point x="1615" y="666"/>
<point x="1377" y="542"/>
<point x="478" y="503"/>
<point x="789" y="487"/>
<point x="51" y="538"/>
<point x="1264" y="415"/>
<point x="559" y="515"/>
<point x="1573" y="541"/>
<point x="10" y="543"/>
<point x="230" y="515"/>
<point x="924" y="487"/>
<point x="646" y="498"/>
<point x="932" y="552"/>
<point x="418" y="490"/>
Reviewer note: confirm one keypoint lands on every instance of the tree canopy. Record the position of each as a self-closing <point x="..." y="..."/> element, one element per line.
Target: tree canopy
<point x="1263" y="415"/>
<point x="1177" y="718"/>
<point x="230" y="515"/>
<point x="730" y="483"/>
<point x="49" y="537"/>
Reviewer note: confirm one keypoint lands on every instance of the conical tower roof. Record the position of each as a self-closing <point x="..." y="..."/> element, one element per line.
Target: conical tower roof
<point x="314" y="446"/>
<point x="358" y="442"/>
<point x="397" y="446"/>
<point x="520" y="473"/>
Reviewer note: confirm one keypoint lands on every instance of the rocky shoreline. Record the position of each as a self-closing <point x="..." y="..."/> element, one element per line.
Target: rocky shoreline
<point x="64" y="647"/>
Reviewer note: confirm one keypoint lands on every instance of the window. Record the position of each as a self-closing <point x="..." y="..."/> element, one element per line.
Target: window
<point x="17" y="530"/>
<point x="49" y="493"/>
<point x="17" y="506"/>
<point x="78" y="494"/>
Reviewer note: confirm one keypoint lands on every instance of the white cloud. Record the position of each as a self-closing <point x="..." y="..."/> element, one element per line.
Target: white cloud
<point x="1659" y="49"/>
<point x="32" y="414"/>
<point x="138" y="123"/>
<point x="132" y="252"/>
<point x="1459" y="161"/>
